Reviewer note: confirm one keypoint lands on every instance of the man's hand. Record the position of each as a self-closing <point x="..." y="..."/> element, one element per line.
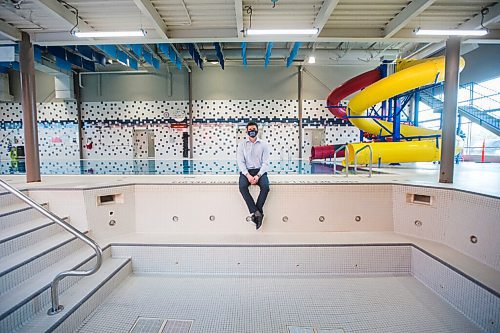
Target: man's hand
<point x="250" y="179"/>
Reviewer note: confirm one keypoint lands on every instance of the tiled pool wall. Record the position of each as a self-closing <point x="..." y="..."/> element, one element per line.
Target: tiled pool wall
<point x="479" y="304"/>
<point x="451" y="219"/>
<point x="268" y="260"/>
<point x="218" y="127"/>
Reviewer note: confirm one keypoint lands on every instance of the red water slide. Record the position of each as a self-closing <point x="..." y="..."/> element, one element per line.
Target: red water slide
<point x="349" y="87"/>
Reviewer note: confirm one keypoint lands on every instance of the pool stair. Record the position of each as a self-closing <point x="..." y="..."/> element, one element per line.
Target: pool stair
<point x="33" y="250"/>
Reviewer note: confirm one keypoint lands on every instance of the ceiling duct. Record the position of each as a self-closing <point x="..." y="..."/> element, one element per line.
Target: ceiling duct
<point x="5" y="95"/>
<point x="64" y="87"/>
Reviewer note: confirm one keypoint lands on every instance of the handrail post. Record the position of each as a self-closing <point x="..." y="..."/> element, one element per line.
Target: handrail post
<point x="346" y="159"/>
<point x="335" y="158"/>
<point x="56" y="307"/>
<point x="356" y="159"/>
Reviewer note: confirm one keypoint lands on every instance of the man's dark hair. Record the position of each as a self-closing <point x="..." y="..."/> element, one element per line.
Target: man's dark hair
<point x="252" y="123"/>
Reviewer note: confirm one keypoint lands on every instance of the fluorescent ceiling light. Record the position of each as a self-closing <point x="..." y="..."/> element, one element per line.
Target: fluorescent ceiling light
<point x="451" y="32"/>
<point x="312" y="60"/>
<point x="255" y="32"/>
<point x="102" y="34"/>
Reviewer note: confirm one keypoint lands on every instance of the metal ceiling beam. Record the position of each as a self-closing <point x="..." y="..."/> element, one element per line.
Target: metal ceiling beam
<point x="64" y="13"/>
<point x="267" y="57"/>
<point x="88" y="53"/>
<point x="281" y="54"/>
<point x="142" y="53"/>
<point x="147" y="8"/>
<point x="9" y="31"/>
<point x="238" y="8"/>
<point x="427" y="50"/>
<point x="112" y="51"/>
<point x="327" y="36"/>
<point x="195" y="54"/>
<point x="220" y="55"/>
<point x="324" y="14"/>
<point x="432" y="49"/>
<point x="493" y="16"/>
<point x="175" y="57"/>
<point x="65" y="60"/>
<point x="244" y="53"/>
<point x="474" y="23"/>
<point x="293" y="53"/>
<point x="411" y="11"/>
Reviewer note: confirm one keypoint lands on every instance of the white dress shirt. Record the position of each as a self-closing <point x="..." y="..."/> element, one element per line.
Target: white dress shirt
<point x="253" y="155"/>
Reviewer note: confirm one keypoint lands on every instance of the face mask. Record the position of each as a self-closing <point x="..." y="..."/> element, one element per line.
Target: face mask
<point x="253" y="133"/>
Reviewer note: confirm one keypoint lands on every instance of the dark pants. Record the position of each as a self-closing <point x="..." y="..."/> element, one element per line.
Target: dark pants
<point x="264" y="191"/>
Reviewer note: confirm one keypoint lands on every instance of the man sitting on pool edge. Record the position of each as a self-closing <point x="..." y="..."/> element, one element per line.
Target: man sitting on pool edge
<point x="253" y="162"/>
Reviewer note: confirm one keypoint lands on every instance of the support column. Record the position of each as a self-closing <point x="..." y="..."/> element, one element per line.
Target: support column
<point x="396" y="121"/>
<point x="449" y="116"/>
<point x="416" y="108"/>
<point x="190" y="125"/>
<point x="411" y="109"/>
<point x="383" y="74"/>
<point x="78" y="98"/>
<point x="300" y="110"/>
<point x="28" y="102"/>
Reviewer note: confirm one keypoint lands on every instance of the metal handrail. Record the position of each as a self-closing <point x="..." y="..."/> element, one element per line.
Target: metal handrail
<point x="346" y="158"/>
<point x="56" y="307"/>
<point x="356" y="158"/>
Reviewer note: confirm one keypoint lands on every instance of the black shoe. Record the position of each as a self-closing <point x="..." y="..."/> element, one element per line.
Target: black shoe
<point x="258" y="218"/>
<point x="251" y="218"/>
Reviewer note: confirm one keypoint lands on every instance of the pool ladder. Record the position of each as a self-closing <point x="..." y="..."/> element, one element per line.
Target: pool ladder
<point x="346" y="159"/>
<point x="370" y="164"/>
<point x="355" y="159"/>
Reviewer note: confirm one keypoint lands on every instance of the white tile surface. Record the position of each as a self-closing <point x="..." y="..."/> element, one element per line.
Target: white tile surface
<point x="244" y="260"/>
<point x="478" y="304"/>
<point x="452" y="219"/>
<point x="270" y="304"/>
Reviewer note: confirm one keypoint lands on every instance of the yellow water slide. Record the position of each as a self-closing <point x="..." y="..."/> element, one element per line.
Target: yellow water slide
<point x="409" y="75"/>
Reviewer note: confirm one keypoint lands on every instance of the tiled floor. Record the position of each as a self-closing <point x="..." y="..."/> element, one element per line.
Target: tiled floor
<point x="272" y="303"/>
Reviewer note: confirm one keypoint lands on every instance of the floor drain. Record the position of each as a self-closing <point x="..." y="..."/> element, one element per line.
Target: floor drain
<point x="297" y="329"/>
<point x="147" y="325"/>
<point x="177" y="326"/>
<point x="157" y="325"/>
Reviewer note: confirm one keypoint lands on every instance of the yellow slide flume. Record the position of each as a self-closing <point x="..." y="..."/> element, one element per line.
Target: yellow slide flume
<point x="409" y="75"/>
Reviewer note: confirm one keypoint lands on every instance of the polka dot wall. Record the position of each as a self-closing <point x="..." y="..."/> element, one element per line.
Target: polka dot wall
<point x="109" y="128"/>
<point x="217" y="140"/>
<point x="218" y="126"/>
<point x="57" y="129"/>
<point x="168" y="143"/>
<point x="337" y="135"/>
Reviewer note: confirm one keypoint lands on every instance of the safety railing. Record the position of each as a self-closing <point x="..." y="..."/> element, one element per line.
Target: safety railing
<point x="346" y="158"/>
<point x="56" y="307"/>
<point x="356" y="159"/>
